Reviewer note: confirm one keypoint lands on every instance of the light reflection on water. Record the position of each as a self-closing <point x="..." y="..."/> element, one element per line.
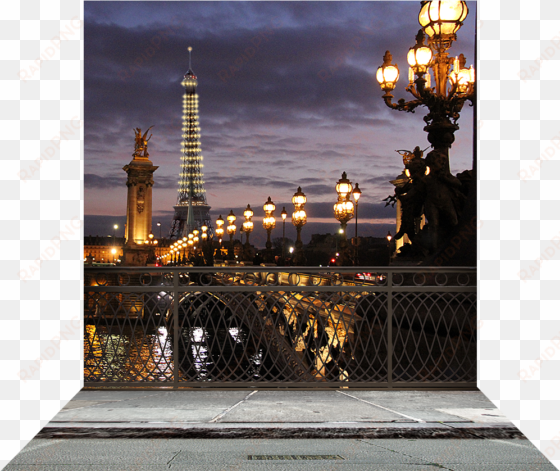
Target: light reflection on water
<point x="215" y="357"/>
<point x="126" y="353"/>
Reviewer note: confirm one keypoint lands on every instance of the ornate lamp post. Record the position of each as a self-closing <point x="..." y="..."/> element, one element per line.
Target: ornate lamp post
<point x="356" y="193"/>
<point x="269" y="223"/>
<point x="247" y="228"/>
<point x="158" y="224"/>
<point x="440" y="20"/>
<point x="389" y="238"/>
<point x="196" y="246"/>
<point x="220" y="232"/>
<point x="207" y="251"/>
<point x="343" y="212"/>
<point x="151" y="243"/>
<point x="299" y="219"/>
<point x="231" y="232"/>
<point x="284" y="214"/>
<point x="190" y="245"/>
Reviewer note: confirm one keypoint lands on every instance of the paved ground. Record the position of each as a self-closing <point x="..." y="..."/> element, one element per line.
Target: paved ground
<point x="273" y="430"/>
<point x="240" y="454"/>
<point x="280" y="414"/>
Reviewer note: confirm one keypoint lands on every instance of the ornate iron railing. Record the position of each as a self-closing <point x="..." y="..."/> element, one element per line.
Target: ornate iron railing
<point x="280" y="327"/>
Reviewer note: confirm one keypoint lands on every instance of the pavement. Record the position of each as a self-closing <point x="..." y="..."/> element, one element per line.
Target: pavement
<point x="275" y="414"/>
<point x="279" y="430"/>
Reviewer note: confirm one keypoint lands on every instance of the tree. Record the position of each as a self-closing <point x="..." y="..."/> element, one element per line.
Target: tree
<point x="277" y="245"/>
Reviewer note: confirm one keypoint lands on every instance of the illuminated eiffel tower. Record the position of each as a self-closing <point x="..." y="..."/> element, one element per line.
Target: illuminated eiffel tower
<point x="192" y="210"/>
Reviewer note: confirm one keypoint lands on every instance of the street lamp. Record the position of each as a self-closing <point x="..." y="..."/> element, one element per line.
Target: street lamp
<point x="440" y="20"/>
<point x="206" y="245"/>
<point x="389" y="238"/>
<point x="113" y="251"/>
<point x="115" y="227"/>
<point x="184" y="245"/>
<point x="247" y="228"/>
<point x="299" y="219"/>
<point x="195" y="241"/>
<point x="151" y="243"/>
<point x="231" y="232"/>
<point x="158" y="224"/>
<point x="356" y="193"/>
<point x="220" y="232"/>
<point x="269" y="223"/>
<point x="284" y="214"/>
<point x="343" y="212"/>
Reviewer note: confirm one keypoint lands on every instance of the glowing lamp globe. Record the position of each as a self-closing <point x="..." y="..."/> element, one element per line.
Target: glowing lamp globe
<point x="231" y="217"/>
<point x="343" y="186"/>
<point x="299" y="217"/>
<point x="269" y="222"/>
<point x="388" y="74"/>
<point x="462" y="78"/>
<point x="248" y="213"/>
<point x="442" y="18"/>
<point x="419" y="56"/>
<point x="299" y="198"/>
<point x="356" y="192"/>
<point x="269" y="206"/>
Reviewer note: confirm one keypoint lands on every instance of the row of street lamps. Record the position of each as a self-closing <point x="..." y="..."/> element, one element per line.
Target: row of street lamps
<point x="343" y="212"/>
<point x="299" y="219"/>
<point x="189" y="246"/>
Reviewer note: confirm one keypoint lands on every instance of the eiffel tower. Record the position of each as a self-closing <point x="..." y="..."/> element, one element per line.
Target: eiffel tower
<point x="191" y="211"/>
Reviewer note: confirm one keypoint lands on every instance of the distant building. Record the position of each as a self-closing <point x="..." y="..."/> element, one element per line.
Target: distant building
<point x="322" y="249"/>
<point x="101" y="248"/>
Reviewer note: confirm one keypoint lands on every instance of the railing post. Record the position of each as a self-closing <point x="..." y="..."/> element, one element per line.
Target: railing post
<point x="175" y="329"/>
<point x="390" y="329"/>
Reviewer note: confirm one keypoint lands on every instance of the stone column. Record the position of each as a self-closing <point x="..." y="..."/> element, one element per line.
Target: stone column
<point x="139" y="210"/>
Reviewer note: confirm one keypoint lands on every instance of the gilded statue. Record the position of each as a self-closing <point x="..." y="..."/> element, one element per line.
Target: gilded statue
<point x="141" y="143"/>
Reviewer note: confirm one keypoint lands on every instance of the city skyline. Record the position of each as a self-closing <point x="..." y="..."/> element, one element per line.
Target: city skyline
<point x="288" y="98"/>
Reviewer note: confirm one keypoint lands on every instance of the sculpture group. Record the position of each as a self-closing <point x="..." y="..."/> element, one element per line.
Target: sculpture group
<point x="430" y="191"/>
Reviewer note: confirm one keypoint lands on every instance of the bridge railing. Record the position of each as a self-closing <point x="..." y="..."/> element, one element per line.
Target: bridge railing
<point x="375" y="327"/>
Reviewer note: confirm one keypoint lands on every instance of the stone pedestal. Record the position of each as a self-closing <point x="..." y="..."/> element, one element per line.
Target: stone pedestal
<point x="135" y="256"/>
<point x="138" y="211"/>
<point x="139" y="201"/>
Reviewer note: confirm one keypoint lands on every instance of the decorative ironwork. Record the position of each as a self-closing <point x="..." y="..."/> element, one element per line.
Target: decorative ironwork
<point x="280" y="327"/>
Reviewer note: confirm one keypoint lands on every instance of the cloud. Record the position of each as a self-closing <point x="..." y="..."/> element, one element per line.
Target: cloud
<point x="298" y="108"/>
<point x="96" y="181"/>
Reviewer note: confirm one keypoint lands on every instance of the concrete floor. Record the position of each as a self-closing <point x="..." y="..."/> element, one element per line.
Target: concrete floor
<point x="222" y="430"/>
<point x="214" y="455"/>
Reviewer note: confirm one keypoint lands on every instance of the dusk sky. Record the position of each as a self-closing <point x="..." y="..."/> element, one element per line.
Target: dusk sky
<point x="287" y="98"/>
